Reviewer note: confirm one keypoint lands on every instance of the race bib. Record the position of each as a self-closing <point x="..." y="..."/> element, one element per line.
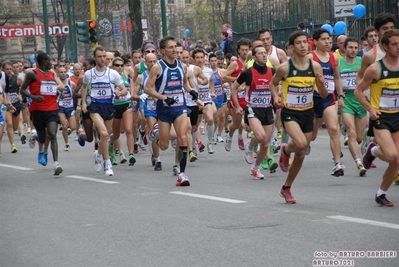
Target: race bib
<point x="151" y="105"/>
<point x="241" y="94"/>
<point x="299" y="97"/>
<point x="205" y="97"/>
<point x="13" y="98"/>
<point x="389" y="99"/>
<point x="48" y="88"/>
<point x="260" y="99"/>
<point x="330" y="86"/>
<point x="349" y="83"/>
<point x="101" y="91"/>
<point x="218" y="90"/>
<point x="66" y="103"/>
<point x="178" y="97"/>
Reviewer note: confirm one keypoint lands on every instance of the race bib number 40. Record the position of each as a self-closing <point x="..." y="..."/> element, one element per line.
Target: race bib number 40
<point x="101" y="91"/>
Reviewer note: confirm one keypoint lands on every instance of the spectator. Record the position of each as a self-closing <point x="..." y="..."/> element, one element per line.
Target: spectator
<point x="227" y="28"/>
<point x="184" y="43"/>
<point x="226" y="45"/>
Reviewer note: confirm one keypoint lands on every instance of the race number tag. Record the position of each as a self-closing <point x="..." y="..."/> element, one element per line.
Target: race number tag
<point x="178" y="97"/>
<point x="48" y="88"/>
<point x="389" y="99"/>
<point x="101" y="91"/>
<point x="298" y="97"/>
<point x="330" y="86"/>
<point x="260" y="99"/>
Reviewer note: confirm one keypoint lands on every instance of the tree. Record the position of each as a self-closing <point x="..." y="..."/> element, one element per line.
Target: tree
<point x="135" y="17"/>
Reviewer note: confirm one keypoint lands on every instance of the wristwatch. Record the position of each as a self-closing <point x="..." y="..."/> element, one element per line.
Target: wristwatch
<point x="341" y="96"/>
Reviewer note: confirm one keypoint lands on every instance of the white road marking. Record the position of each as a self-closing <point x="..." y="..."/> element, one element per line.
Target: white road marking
<point x="364" y="221"/>
<point x="15" y="167"/>
<point x="91" y="179"/>
<point x="234" y="201"/>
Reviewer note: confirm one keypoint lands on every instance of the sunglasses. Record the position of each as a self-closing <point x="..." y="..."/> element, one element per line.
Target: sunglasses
<point x="118" y="65"/>
<point x="150" y="51"/>
<point x="61" y="65"/>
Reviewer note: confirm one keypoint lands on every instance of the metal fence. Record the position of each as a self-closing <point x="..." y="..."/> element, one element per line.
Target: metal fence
<point x="282" y="17"/>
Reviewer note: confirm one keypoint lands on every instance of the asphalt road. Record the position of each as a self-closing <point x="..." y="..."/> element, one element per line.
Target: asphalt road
<point x="225" y="218"/>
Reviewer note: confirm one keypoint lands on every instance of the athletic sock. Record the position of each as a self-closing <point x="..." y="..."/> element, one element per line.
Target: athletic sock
<point x="183" y="160"/>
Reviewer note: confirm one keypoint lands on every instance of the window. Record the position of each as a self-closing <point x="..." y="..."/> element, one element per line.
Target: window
<point x="188" y="2"/>
<point x="26" y="2"/>
<point x="29" y="40"/>
<point x="171" y="2"/>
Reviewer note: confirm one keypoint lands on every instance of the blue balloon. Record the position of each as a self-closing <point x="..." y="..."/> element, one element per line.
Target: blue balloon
<point x="32" y="58"/>
<point x="359" y="11"/>
<point x="328" y="27"/>
<point x="340" y="27"/>
<point x="186" y="31"/>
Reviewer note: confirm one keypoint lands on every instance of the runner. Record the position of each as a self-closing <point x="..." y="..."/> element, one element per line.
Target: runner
<point x="233" y="71"/>
<point x="1" y="113"/>
<point x="65" y="104"/>
<point x="258" y="112"/>
<point x="43" y="89"/>
<point x="383" y="79"/>
<point x="165" y="83"/>
<point x="371" y="38"/>
<point x="102" y="82"/>
<point x="325" y="108"/>
<point x="298" y="76"/>
<point x="13" y="101"/>
<point x="354" y="116"/>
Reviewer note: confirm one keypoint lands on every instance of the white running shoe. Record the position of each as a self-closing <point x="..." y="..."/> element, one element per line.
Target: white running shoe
<point x="108" y="170"/>
<point x="98" y="161"/>
<point x="256" y="172"/>
<point x="227" y="145"/>
<point x="176" y="169"/>
<point x="32" y="140"/>
<point x="57" y="169"/>
<point x="338" y="170"/>
<point x="220" y="139"/>
<point x="248" y="154"/>
<point x="210" y="148"/>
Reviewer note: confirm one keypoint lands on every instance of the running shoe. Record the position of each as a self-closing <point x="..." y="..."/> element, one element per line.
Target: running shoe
<point x="396" y="181"/>
<point x="67" y="147"/>
<point x="173" y="143"/>
<point x="219" y="138"/>
<point x="32" y="140"/>
<point x="272" y="165"/>
<point x="365" y="142"/>
<point x="122" y="158"/>
<point x="248" y="154"/>
<point x="14" y="148"/>
<point x="152" y="160"/>
<point x="42" y="159"/>
<point x="158" y="166"/>
<point x="76" y="137"/>
<point x="338" y="170"/>
<point x="154" y="134"/>
<point x="279" y="135"/>
<point x="255" y="172"/>
<point x="98" y="161"/>
<point x="81" y="141"/>
<point x="192" y="157"/>
<point x="145" y="141"/>
<point x="286" y="194"/>
<point x="373" y="165"/>
<point x="182" y="180"/>
<point x="57" y="169"/>
<point x="214" y="142"/>
<point x="108" y="170"/>
<point x="136" y="149"/>
<point x="362" y="170"/>
<point x="284" y="159"/>
<point x="241" y="144"/>
<point x="132" y="160"/>
<point x="346" y="141"/>
<point x="201" y="146"/>
<point x="383" y="201"/>
<point x="112" y="155"/>
<point x="176" y="169"/>
<point x="210" y="149"/>
<point x="368" y="158"/>
<point x="307" y="152"/>
<point x="23" y="139"/>
<point x="96" y="145"/>
<point x="142" y="145"/>
<point x="28" y="131"/>
<point x="227" y="145"/>
<point x="276" y="148"/>
<point x="343" y="129"/>
<point x="69" y="131"/>
<point x="265" y="164"/>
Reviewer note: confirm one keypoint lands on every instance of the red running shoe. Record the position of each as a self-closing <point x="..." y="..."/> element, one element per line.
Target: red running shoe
<point x="286" y="194"/>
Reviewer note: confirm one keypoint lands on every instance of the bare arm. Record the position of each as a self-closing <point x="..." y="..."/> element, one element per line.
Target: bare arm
<point x="371" y="74"/>
<point x="367" y="60"/>
<point x="230" y="70"/>
<point x="150" y="84"/>
<point x="280" y="74"/>
<point x="136" y="72"/>
<point x="282" y="55"/>
<point x="320" y="82"/>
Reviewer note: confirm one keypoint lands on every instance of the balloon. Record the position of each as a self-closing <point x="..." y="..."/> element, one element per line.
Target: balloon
<point x="328" y="27"/>
<point x="186" y="31"/>
<point x="340" y="27"/>
<point x="32" y="58"/>
<point x="359" y="11"/>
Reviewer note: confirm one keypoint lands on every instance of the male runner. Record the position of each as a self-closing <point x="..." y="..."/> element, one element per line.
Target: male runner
<point x="383" y="80"/>
<point x="298" y="76"/>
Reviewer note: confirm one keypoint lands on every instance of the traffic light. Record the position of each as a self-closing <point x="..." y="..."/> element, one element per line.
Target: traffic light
<point x="82" y="29"/>
<point x="93" y="37"/>
<point x="87" y="32"/>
